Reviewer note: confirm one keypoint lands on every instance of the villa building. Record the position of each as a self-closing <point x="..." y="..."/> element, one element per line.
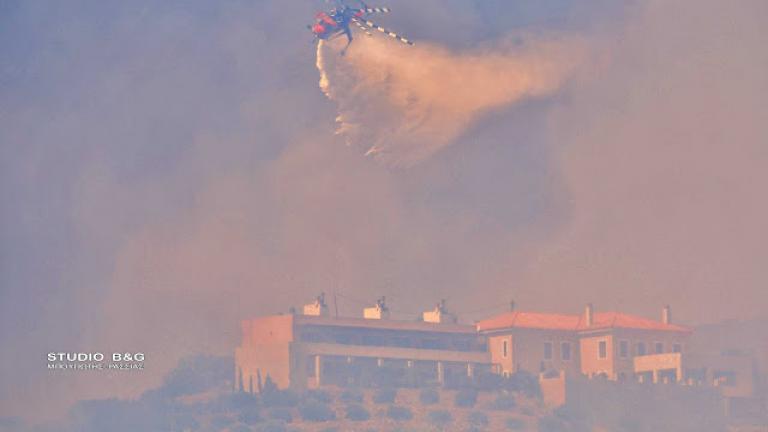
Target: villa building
<point x="314" y="349"/>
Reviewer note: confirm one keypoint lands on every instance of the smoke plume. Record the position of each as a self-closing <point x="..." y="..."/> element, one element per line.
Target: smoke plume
<point x="404" y="103"/>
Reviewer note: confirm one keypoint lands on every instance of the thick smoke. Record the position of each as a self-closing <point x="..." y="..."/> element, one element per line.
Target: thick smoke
<point x="169" y="169"/>
<point x="404" y="103"/>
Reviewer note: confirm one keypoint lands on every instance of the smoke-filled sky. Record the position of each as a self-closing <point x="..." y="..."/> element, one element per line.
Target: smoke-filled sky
<point x="168" y="168"/>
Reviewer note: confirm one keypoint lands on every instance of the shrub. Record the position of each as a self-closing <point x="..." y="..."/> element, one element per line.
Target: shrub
<point x="249" y="417"/>
<point x="440" y="418"/>
<point x="221" y="421"/>
<point x="329" y="429"/>
<point x="280" y="398"/>
<point x="316" y="411"/>
<point x="504" y="402"/>
<point x="351" y="395"/>
<point x="514" y="424"/>
<point x="399" y="413"/>
<point x="551" y="423"/>
<point x="488" y="381"/>
<point x="385" y="396"/>
<point x="429" y="396"/>
<point x="357" y="413"/>
<point x="477" y="419"/>
<point x="319" y="395"/>
<point x="240" y="428"/>
<point x="283" y="414"/>
<point x="182" y="422"/>
<point x="573" y="417"/>
<point x="272" y="426"/>
<point x="196" y="374"/>
<point x="237" y="402"/>
<point x="466" y="398"/>
<point x="525" y="383"/>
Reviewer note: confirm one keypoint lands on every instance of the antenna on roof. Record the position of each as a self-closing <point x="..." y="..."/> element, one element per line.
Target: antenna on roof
<point x="335" y="305"/>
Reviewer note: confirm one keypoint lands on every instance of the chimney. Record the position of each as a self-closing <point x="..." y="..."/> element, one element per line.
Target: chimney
<point x="588" y="312"/>
<point x="317" y="308"/>
<point x="439" y="315"/>
<point x="666" y="315"/>
<point x="379" y="311"/>
<point x="511" y="305"/>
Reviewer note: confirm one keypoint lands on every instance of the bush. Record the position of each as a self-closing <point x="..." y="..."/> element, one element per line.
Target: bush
<point x="385" y="396"/>
<point x="551" y="423"/>
<point x="279" y="398"/>
<point x="504" y="402"/>
<point x="525" y="383"/>
<point x="357" y="413"/>
<point x="319" y="395"/>
<point x="249" y="417"/>
<point x="283" y="414"/>
<point x="440" y="418"/>
<point x="477" y="419"/>
<point x="240" y="428"/>
<point x="316" y="412"/>
<point x="399" y="413"/>
<point x="488" y="382"/>
<point x="196" y="374"/>
<point x="350" y="396"/>
<point x="429" y="396"/>
<point x="182" y="422"/>
<point x="466" y="398"/>
<point x="221" y="421"/>
<point x="272" y="426"/>
<point x="514" y="424"/>
<point x="235" y="402"/>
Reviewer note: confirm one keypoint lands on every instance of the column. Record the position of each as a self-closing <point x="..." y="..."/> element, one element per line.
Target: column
<point x="470" y="370"/>
<point x="440" y="373"/>
<point x="318" y="370"/>
<point x="655" y="376"/>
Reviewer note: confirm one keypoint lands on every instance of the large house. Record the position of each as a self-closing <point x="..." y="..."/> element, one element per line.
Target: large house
<point x="611" y="344"/>
<point x="313" y="349"/>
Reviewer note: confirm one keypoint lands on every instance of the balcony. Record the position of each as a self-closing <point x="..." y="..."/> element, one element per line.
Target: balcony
<point x="666" y="367"/>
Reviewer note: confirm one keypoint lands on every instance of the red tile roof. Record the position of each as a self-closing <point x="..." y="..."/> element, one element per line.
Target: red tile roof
<point x="530" y="320"/>
<point x="548" y="321"/>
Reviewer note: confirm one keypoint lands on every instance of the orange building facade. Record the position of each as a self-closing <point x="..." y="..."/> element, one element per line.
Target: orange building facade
<point x="314" y="349"/>
<point x="305" y="351"/>
<point x="593" y="344"/>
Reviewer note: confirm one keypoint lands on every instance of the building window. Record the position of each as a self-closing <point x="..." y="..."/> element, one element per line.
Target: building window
<point x="565" y="351"/>
<point x="640" y="349"/>
<point x="402" y="342"/>
<point x="602" y="349"/>
<point x="658" y="347"/>
<point x="547" y="350"/>
<point x="504" y="348"/>
<point x="310" y="364"/>
<point x="623" y="349"/>
<point x="677" y="348"/>
<point x="724" y="377"/>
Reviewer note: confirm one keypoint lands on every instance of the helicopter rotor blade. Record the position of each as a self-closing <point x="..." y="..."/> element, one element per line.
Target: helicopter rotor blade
<point x="389" y="33"/>
<point x="362" y="27"/>
<point x="370" y="10"/>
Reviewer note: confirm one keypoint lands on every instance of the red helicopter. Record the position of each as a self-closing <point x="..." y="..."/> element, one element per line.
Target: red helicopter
<point x="337" y="21"/>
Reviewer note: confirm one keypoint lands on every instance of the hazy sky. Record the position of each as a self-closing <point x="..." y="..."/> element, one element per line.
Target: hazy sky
<point x="168" y="168"/>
